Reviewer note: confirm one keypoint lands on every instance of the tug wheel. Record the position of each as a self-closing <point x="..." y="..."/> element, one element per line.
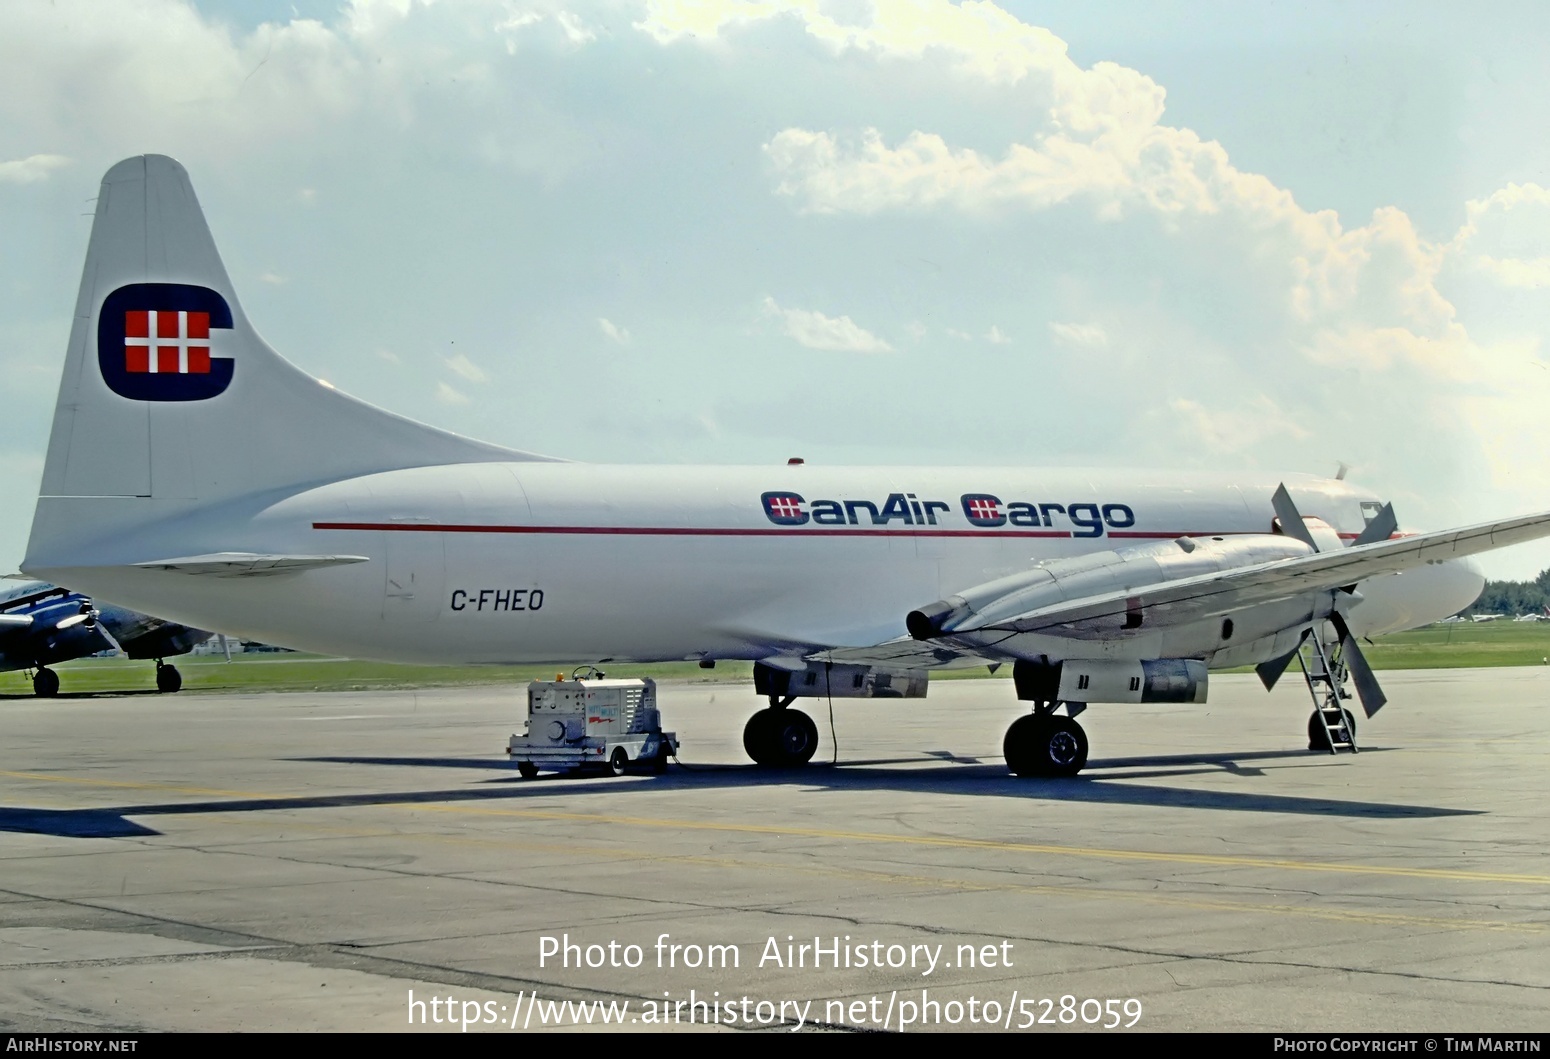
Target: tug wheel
<point x="618" y="761"/>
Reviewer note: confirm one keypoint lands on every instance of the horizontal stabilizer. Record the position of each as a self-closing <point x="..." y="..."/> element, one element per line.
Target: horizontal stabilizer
<point x="248" y="564"/>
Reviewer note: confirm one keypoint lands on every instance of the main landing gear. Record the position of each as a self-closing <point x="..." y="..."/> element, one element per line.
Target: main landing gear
<point x="1044" y="743"/>
<point x="780" y="737"/>
<point x="45" y="683"/>
<point x="168" y="679"/>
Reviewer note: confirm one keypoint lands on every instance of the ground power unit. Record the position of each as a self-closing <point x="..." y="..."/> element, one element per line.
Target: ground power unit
<point x="592" y="724"/>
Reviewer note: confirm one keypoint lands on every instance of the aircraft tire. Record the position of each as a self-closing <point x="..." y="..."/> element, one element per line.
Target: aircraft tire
<point x="1064" y="747"/>
<point x="1045" y="746"/>
<point x="795" y="737"/>
<point x="45" y="683"/>
<point x="168" y="679"/>
<point x="757" y="743"/>
<point x="1020" y="745"/>
<point x="1316" y="738"/>
<point x="781" y="738"/>
<point x="527" y="769"/>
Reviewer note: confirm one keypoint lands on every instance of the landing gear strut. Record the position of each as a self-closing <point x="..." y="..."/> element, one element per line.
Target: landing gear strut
<point x="780" y="737"/>
<point x="168" y="679"/>
<point x="45" y="683"/>
<point x="1044" y="743"/>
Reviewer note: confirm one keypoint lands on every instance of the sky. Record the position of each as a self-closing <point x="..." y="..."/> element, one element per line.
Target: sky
<point x="1267" y="238"/>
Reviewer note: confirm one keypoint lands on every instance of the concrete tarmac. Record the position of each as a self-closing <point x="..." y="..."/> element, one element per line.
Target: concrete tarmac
<point x="369" y="861"/>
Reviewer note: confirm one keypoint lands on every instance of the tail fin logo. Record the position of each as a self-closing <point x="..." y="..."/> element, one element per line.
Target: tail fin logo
<point x="154" y="339"/>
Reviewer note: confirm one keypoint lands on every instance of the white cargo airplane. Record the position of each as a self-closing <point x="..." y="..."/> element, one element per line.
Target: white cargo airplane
<point x="194" y="473"/>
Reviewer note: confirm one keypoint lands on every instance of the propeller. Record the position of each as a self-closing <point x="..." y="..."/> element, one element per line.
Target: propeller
<point x="86" y="614"/>
<point x="1367" y="688"/>
<point x="1380" y="528"/>
<point x="1290" y="518"/>
<point x="1270" y="671"/>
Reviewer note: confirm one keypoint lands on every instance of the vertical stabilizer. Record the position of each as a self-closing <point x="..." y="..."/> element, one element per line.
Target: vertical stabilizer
<point x="169" y="398"/>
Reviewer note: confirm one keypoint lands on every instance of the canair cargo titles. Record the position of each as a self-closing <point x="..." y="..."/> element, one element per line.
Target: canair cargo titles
<point x="984" y="511"/>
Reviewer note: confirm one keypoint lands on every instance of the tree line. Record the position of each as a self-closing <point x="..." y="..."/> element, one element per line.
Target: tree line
<point x="1514" y="597"/>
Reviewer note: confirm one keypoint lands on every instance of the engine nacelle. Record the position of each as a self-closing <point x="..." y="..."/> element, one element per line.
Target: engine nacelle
<point x="165" y="642"/>
<point x="1159" y="680"/>
<point x="64" y="631"/>
<point x="1060" y="580"/>
<point x="840" y="681"/>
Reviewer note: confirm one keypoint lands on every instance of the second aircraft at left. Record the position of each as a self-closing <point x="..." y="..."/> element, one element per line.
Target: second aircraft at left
<point x="42" y="624"/>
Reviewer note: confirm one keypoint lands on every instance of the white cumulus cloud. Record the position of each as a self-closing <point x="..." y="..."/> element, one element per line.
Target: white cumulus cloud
<point x="448" y="395"/>
<point x="1089" y="335"/>
<point x="817" y="331"/>
<point x="466" y="368"/>
<point x="613" y="331"/>
<point x="1506" y="235"/>
<point x="31" y="169"/>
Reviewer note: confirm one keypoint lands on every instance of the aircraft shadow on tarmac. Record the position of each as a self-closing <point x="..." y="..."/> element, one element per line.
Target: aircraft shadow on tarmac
<point x="64" y="696"/>
<point x="1107" y="781"/>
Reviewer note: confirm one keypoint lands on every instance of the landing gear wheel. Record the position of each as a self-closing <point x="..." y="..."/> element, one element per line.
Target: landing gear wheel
<point x="168" y="679"/>
<point x="527" y="769"/>
<point x="781" y="738"/>
<point x="1045" y="746"/>
<point x="756" y="738"/>
<point x="618" y="761"/>
<point x="1317" y="740"/>
<point x="796" y="737"/>
<point x="45" y="683"/>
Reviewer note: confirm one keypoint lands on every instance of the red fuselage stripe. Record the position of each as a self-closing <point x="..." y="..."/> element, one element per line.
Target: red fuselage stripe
<point x="773" y="531"/>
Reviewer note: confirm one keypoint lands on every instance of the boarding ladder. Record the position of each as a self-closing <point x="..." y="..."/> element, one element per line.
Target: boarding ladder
<point x="1324" y="670"/>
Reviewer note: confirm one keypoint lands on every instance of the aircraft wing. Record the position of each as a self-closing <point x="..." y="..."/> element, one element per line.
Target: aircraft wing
<point x="1223" y="593"/>
<point x="10" y="623"/>
<point x="247" y="564"/>
<point x="905" y="653"/>
<point x="1194" y="598"/>
<point x="13" y="624"/>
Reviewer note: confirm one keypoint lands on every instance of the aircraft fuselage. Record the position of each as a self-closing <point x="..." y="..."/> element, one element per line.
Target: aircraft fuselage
<point x="531" y="562"/>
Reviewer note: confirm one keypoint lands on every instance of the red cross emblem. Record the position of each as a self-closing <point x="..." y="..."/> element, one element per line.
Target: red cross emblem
<point x="166" y="343"/>
<point x="785" y="507"/>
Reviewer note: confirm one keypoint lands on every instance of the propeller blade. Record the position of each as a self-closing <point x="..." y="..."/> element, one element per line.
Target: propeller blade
<point x="1379" y="529"/>
<point x="1291" y="519"/>
<point x="1367" y="688"/>
<point x="1270" y="671"/>
<point x="225" y="645"/>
